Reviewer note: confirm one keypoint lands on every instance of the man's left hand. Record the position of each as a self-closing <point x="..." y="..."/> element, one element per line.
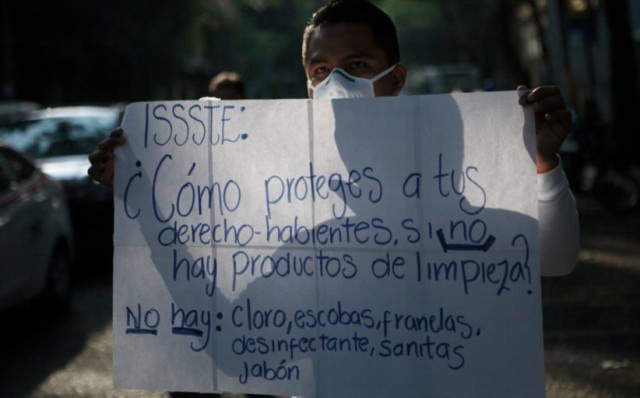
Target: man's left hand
<point x="553" y="123"/>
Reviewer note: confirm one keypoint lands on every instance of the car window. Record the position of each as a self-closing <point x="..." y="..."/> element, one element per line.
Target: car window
<point x="58" y="136"/>
<point x="13" y="170"/>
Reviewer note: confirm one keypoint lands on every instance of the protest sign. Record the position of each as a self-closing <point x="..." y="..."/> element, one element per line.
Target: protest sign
<point x="374" y="247"/>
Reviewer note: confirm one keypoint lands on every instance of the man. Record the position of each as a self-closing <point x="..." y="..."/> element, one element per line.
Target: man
<point x="350" y="49"/>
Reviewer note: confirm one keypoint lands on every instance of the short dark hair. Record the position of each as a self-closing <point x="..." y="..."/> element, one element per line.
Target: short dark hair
<point x="227" y="80"/>
<point x="359" y="12"/>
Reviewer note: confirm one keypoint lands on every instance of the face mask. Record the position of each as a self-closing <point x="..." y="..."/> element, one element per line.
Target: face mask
<point x="340" y="84"/>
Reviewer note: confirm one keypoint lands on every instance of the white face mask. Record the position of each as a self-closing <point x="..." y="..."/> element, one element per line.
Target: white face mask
<point x="340" y="84"/>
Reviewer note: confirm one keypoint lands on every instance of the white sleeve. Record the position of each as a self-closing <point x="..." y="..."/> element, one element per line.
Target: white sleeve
<point x="559" y="225"/>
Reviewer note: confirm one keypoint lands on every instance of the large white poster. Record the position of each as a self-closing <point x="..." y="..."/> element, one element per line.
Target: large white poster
<point x="382" y="247"/>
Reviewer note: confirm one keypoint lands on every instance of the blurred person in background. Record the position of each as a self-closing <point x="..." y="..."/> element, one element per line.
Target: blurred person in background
<point x="227" y="85"/>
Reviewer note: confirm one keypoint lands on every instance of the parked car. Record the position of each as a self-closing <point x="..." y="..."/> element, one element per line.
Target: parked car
<point x="12" y="111"/>
<point x="445" y="78"/>
<point x="60" y="141"/>
<point x="36" y="240"/>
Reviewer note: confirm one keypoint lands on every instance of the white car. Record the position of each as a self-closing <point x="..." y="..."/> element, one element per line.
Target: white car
<point x="59" y="140"/>
<point x="36" y="242"/>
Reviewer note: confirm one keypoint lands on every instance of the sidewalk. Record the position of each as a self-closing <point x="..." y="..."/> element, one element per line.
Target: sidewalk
<point x="592" y="317"/>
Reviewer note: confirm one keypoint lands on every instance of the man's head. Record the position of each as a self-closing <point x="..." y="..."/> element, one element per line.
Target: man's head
<point x="356" y="36"/>
<point x="227" y="86"/>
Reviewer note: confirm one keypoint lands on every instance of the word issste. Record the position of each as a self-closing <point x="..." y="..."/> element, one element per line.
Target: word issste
<point x="203" y="123"/>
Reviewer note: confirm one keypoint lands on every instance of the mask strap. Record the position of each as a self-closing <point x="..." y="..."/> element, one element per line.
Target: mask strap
<point x="383" y="73"/>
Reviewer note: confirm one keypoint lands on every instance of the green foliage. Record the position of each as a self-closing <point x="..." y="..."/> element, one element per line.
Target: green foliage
<point x="262" y="40"/>
<point x="78" y="51"/>
<point x="435" y="32"/>
<point x="420" y="32"/>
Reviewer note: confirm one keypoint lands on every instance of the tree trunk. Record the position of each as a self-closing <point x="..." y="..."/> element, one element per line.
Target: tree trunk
<point x="625" y="129"/>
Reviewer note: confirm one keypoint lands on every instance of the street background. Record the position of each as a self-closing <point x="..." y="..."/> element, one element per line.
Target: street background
<point x="72" y="52"/>
<point x="591" y="327"/>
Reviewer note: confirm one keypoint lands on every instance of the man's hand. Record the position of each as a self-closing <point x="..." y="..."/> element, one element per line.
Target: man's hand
<point x="553" y="123"/>
<point x="101" y="168"/>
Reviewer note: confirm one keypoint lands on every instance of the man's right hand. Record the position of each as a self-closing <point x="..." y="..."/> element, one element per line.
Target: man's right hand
<point x="101" y="169"/>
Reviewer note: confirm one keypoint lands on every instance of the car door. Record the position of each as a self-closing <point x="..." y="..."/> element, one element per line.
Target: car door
<point x="22" y="231"/>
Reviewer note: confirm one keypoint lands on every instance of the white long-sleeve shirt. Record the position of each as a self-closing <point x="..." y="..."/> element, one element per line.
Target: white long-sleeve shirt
<point x="558" y="224"/>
